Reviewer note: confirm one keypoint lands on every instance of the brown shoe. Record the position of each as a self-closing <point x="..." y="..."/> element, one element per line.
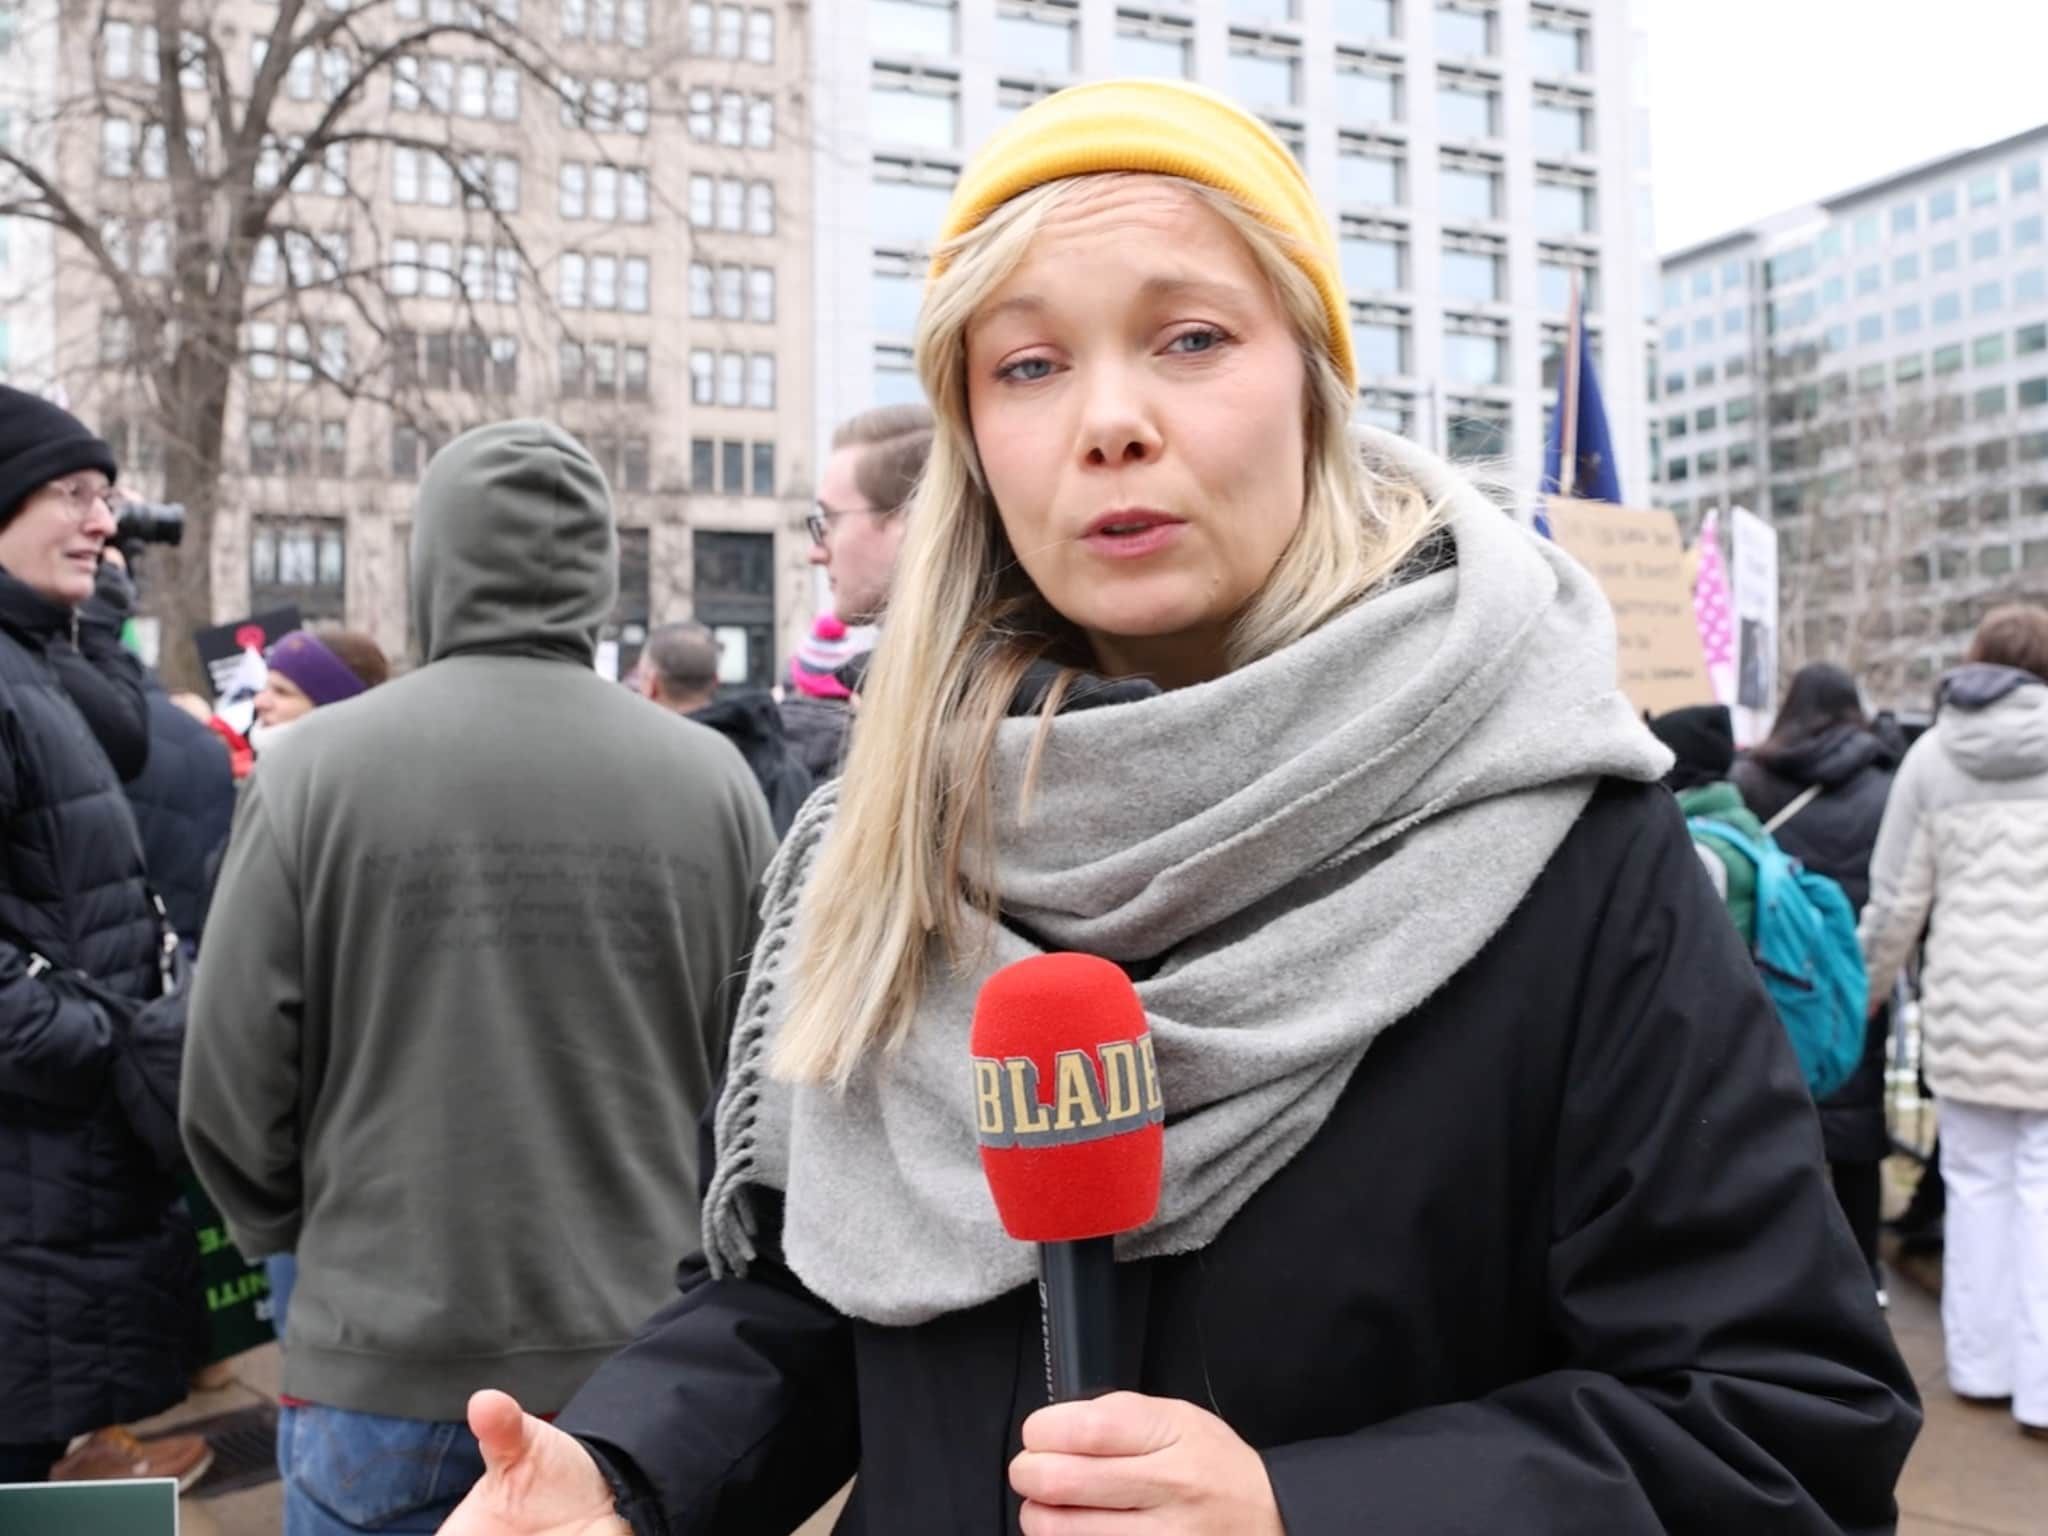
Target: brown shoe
<point x="109" y="1454"/>
<point x="2035" y="1431"/>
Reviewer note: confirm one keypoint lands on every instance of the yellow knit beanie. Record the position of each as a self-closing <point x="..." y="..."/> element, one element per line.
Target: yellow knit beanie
<point x="1171" y="129"/>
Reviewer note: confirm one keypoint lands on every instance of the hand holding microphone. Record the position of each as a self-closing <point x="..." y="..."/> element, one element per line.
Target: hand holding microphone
<point x="1071" y="1120"/>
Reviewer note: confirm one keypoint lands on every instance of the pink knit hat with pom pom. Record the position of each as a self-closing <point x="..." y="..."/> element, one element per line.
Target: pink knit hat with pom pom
<point x="829" y="647"/>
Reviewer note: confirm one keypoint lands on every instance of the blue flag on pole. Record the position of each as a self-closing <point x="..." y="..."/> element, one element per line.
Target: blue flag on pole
<point x="1590" y="473"/>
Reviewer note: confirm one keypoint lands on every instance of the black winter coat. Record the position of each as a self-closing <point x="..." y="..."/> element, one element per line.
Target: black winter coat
<point x="1834" y="836"/>
<point x="1561" y="1261"/>
<point x="817" y="730"/>
<point x="751" y="721"/>
<point x="99" y="1271"/>
<point x="184" y="804"/>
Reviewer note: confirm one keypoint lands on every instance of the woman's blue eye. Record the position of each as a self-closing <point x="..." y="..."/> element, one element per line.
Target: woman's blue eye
<point x="1203" y="341"/>
<point x="1023" y="371"/>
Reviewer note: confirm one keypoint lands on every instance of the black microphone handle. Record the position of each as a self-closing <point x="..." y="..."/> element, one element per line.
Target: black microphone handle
<point x="1077" y="1299"/>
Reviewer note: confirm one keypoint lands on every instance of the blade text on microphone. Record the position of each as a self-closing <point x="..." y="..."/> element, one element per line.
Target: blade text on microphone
<point x="1089" y="1101"/>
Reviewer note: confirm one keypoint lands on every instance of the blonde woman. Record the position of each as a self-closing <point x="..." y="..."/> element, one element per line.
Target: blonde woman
<point x="1493" y="1201"/>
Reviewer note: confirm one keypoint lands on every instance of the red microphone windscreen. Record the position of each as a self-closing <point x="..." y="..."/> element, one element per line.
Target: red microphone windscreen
<point x="1066" y="1099"/>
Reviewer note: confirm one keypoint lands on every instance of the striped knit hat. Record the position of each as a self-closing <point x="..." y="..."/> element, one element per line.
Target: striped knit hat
<point x="830" y="646"/>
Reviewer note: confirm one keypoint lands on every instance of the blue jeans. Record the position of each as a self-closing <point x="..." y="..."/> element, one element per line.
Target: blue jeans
<point x="350" y="1473"/>
<point x="282" y="1271"/>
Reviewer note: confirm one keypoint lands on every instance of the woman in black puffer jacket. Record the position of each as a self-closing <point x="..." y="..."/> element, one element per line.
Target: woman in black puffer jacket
<point x="1822" y="738"/>
<point x="100" y="1302"/>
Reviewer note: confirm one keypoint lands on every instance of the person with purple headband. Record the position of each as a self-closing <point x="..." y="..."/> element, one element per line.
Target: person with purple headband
<point x="308" y="671"/>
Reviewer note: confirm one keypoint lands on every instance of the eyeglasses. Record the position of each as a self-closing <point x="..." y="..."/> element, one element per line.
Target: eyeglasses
<point x="820" y="522"/>
<point x="79" y="497"/>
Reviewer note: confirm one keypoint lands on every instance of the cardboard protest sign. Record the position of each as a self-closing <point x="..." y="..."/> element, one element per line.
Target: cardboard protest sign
<point x="1639" y="561"/>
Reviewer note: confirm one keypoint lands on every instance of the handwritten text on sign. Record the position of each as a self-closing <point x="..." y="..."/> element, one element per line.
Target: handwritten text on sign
<point x="1638" y="560"/>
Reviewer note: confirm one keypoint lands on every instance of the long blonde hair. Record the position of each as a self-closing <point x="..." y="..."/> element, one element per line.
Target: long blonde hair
<point x="964" y="625"/>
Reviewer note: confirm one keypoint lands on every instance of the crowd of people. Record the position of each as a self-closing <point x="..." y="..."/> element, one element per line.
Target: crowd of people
<point x="589" y="1063"/>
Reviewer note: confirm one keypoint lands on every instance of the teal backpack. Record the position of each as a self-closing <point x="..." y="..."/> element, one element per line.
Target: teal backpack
<point x="1808" y="955"/>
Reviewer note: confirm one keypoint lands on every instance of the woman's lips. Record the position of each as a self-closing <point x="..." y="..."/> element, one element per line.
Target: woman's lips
<point x="1133" y="535"/>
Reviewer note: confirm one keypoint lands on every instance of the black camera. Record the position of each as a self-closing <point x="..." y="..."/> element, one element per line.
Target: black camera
<point x="150" y="522"/>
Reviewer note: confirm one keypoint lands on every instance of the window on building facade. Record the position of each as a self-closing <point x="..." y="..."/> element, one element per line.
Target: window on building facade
<point x="1467" y="108"/>
<point x="1558" y="45"/>
<point x="262" y="436"/>
<point x="1368" y="89"/>
<point x="1563" y="205"/>
<point x="300" y="562"/>
<point x="1389" y="410"/>
<point x="914" y="108"/>
<point x="1469" y="188"/>
<point x="1036" y="37"/>
<point x="1158" y="46"/>
<point x="1554" y="271"/>
<point x="1472" y="271"/>
<point x="908" y="202"/>
<point x="895" y="379"/>
<point x="1476" y="430"/>
<point x="1369" y="174"/>
<point x="1373" y="257"/>
<point x="913" y="26"/>
<point x="1563" y="125"/>
<point x="1264" y="72"/>
<point x="1379" y="338"/>
<point x="1465" y="31"/>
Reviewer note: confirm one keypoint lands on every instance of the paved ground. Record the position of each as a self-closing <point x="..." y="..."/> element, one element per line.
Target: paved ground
<point x="1971" y="1474"/>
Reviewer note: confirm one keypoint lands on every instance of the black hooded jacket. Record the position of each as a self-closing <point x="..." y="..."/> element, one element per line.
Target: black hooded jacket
<point x="99" y="1288"/>
<point x="1833" y="836"/>
<point x="751" y="721"/>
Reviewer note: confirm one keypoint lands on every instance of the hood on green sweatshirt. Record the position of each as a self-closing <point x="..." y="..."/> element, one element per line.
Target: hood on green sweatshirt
<point x="514" y="552"/>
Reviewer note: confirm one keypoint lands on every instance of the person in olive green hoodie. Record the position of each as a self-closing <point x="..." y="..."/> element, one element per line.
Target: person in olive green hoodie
<point x="467" y="988"/>
<point x="1702" y="738"/>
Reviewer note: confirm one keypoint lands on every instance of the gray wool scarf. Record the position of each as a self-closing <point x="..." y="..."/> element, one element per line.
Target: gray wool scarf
<point x="1307" y="847"/>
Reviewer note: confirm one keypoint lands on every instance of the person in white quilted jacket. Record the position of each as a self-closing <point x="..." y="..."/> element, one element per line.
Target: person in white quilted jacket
<point x="1963" y="857"/>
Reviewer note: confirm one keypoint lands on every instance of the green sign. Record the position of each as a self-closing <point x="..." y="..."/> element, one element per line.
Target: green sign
<point x="147" y="1508"/>
<point x="237" y="1293"/>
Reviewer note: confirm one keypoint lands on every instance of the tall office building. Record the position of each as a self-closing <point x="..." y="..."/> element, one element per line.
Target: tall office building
<point x="595" y="211"/>
<point x="28" y="65"/>
<point x="1476" y="153"/>
<point x="1870" y="371"/>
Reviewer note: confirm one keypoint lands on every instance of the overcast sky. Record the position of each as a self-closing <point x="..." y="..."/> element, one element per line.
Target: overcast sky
<point x="1757" y="105"/>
